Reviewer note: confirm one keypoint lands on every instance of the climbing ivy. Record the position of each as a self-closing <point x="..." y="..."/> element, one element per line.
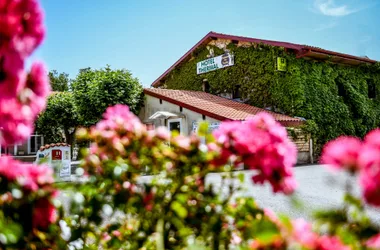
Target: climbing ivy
<point x="332" y="97"/>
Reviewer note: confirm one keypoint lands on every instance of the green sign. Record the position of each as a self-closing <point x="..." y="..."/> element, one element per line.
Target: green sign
<point x="281" y="64"/>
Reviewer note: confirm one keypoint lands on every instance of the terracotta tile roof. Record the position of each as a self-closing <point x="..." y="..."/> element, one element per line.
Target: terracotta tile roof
<point x="216" y="107"/>
<point x="300" y="50"/>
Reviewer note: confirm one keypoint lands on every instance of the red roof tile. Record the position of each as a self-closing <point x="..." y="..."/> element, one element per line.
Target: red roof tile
<point x="301" y="51"/>
<point x="216" y="107"/>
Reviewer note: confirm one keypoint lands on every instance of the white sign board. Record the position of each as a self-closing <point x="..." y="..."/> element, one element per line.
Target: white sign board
<point x="215" y="63"/>
<point x="57" y="157"/>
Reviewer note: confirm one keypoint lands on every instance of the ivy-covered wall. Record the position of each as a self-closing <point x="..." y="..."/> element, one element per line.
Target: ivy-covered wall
<point x="333" y="98"/>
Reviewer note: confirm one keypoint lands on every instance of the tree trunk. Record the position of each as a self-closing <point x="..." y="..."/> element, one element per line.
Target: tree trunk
<point x="69" y="139"/>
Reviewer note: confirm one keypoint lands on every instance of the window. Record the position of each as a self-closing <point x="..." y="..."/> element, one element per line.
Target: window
<point x="206" y="86"/>
<point x="160" y="101"/>
<point x="180" y="109"/>
<point x="236" y="93"/>
<point x="34" y="143"/>
<point x="175" y="125"/>
<point x="371" y="89"/>
<point x="203" y="117"/>
<point x="341" y="91"/>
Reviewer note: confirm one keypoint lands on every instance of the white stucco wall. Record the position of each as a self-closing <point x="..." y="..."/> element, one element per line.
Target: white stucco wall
<point x="152" y="105"/>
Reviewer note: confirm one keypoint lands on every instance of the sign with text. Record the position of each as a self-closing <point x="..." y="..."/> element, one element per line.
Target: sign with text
<point x="57" y="157"/>
<point x="281" y="64"/>
<point x="215" y="63"/>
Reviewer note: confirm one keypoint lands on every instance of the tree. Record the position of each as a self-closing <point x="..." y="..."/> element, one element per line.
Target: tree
<point x="95" y="90"/>
<point x="60" y="119"/>
<point x="59" y="81"/>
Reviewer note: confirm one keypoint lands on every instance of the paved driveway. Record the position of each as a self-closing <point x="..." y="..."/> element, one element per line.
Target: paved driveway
<point x="317" y="188"/>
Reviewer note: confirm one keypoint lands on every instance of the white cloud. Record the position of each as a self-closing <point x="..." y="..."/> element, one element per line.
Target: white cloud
<point x="329" y="8"/>
<point x="326" y="26"/>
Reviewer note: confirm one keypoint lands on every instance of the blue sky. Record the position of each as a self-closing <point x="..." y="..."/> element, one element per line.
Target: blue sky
<point x="148" y="36"/>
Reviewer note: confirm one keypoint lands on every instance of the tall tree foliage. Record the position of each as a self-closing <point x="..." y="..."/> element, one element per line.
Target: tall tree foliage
<point x="60" y="118"/>
<point x="59" y="81"/>
<point x="95" y="90"/>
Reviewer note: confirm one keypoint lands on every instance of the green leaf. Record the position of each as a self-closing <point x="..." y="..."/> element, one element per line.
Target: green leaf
<point x="179" y="209"/>
<point x="203" y="129"/>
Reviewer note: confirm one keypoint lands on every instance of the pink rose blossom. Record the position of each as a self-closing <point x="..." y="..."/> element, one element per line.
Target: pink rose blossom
<point x="303" y="234"/>
<point x="44" y="214"/>
<point x="373" y="242"/>
<point x="21" y="99"/>
<point x="342" y="153"/>
<point x="21" y="25"/>
<point x="116" y="233"/>
<point x="261" y="144"/>
<point x="119" y="117"/>
<point x="30" y="176"/>
<point x="272" y="216"/>
<point x="16" y="121"/>
<point x="370" y="174"/>
<point x="162" y="133"/>
<point x="235" y="239"/>
<point x="373" y="138"/>
<point x="12" y="75"/>
<point x="38" y="80"/>
<point x="330" y="243"/>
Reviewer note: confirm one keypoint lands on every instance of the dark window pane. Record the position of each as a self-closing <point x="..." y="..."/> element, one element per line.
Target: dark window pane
<point x="371" y="89"/>
<point x="32" y="144"/>
<point x="175" y="126"/>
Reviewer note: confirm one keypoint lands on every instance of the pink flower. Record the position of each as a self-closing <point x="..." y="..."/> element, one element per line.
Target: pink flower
<point x="303" y="234"/>
<point x="106" y="237"/>
<point x="370" y="174"/>
<point x="373" y="138"/>
<point x="183" y="142"/>
<point x="330" y="243"/>
<point x="119" y="118"/>
<point x="21" y="32"/>
<point x="272" y="216"/>
<point x="262" y="144"/>
<point x="44" y="214"/>
<point x="31" y="177"/>
<point x="15" y="126"/>
<point x="162" y="133"/>
<point x="12" y="75"/>
<point x="373" y="242"/>
<point x="30" y="101"/>
<point x="21" y="25"/>
<point x="11" y="169"/>
<point x="38" y="80"/>
<point x="235" y="239"/>
<point x="342" y="153"/>
<point x="116" y="233"/>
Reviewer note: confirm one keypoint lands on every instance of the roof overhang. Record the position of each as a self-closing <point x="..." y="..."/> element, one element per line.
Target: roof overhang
<point x="208" y="113"/>
<point x="165" y="115"/>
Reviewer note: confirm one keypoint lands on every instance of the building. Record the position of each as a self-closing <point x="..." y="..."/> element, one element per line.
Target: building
<point x="338" y="94"/>
<point x="26" y="150"/>
<point x="182" y="110"/>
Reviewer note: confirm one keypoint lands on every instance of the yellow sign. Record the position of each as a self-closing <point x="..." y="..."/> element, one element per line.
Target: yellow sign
<point x="281" y="64"/>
